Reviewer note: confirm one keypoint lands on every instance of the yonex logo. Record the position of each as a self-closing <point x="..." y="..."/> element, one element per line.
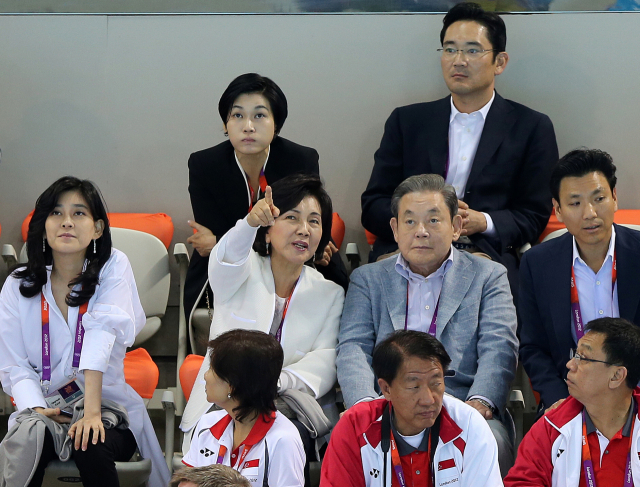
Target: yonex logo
<point x="206" y="452"/>
<point x="374" y="473"/>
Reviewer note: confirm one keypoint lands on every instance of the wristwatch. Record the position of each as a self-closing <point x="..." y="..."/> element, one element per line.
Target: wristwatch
<point x="484" y="403"/>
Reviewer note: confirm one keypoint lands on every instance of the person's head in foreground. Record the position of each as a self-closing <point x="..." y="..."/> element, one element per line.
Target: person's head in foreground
<point x="253" y="110"/>
<point x="605" y="367"/>
<point x="473" y="51"/>
<point x="302" y="227"/>
<point x="69" y="223"/>
<point x="243" y="374"/>
<point x="425" y="221"/>
<point x="583" y="186"/>
<point x="210" y="476"/>
<point x="410" y="366"/>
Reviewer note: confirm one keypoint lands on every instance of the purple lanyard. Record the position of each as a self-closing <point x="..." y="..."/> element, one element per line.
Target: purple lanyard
<point x="46" y="340"/>
<point x="587" y="464"/>
<point x="432" y="328"/>
<point x="578" y="323"/>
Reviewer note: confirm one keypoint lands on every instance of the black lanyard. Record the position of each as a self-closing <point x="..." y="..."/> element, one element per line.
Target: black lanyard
<point x="385" y="443"/>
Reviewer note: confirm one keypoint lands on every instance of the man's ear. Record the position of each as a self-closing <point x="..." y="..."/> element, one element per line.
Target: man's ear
<point x="614" y="194"/>
<point x="99" y="228"/>
<point x="558" y="210"/>
<point x="619" y="378"/>
<point x="502" y="59"/>
<point x="385" y="388"/>
<point x="457" y="227"/>
<point x="394" y="227"/>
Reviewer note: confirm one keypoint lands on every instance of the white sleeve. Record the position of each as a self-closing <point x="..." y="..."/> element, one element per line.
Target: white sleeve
<point x="480" y="467"/>
<point x="230" y="262"/>
<point x="115" y="314"/>
<point x="19" y="378"/>
<point x="491" y="229"/>
<point x="286" y="462"/>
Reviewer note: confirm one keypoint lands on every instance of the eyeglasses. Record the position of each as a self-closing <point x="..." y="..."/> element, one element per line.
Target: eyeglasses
<point x="574" y="355"/>
<point x="470" y="53"/>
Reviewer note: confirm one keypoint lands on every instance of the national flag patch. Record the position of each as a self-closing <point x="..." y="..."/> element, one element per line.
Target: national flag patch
<point x="251" y="463"/>
<point x="445" y="464"/>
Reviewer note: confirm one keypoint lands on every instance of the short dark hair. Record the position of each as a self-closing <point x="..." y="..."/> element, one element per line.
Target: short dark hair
<point x="34" y="273"/>
<point x="215" y="475"/>
<point x="621" y="345"/>
<point x="287" y="193"/>
<point x="580" y="162"/>
<point x="254" y="83"/>
<point x="496" y="30"/>
<point x="389" y="354"/>
<point x="251" y="362"/>
<point x="425" y="182"/>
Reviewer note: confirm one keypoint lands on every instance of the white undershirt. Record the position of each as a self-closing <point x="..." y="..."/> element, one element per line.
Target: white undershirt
<point x="465" y="131"/>
<point x="414" y="440"/>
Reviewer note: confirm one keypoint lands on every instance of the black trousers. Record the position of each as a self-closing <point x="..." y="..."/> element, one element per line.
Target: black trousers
<point x="96" y="464"/>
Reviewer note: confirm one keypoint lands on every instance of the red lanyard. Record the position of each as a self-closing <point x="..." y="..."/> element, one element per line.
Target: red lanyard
<point x="46" y="340"/>
<point x="284" y="313"/>
<point x="587" y="464"/>
<point x="432" y="328"/>
<point x="578" y="323"/>
<point x="397" y="465"/>
<point x="262" y="183"/>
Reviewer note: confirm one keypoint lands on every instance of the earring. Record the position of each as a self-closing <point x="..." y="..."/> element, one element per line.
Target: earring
<point x="229" y="396"/>
<point x="268" y="248"/>
<point x="94" y="245"/>
<point x="44" y="247"/>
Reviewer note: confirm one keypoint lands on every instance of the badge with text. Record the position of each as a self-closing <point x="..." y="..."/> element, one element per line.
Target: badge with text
<point x="66" y="396"/>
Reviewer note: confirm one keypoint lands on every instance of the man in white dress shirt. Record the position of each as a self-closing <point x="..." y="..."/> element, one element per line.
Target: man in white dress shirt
<point x="496" y="153"/>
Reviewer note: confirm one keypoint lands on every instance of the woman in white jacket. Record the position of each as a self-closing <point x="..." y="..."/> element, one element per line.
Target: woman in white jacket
<point x="269" y="288"/>
<point x="66" y="319"/>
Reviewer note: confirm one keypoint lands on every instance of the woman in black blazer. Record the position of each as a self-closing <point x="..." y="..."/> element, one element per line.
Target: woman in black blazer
<point x="225" y="180"/>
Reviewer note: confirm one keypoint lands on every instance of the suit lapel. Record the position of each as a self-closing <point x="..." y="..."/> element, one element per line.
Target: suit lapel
<point x="496" y="127"/>
<point x="455" y="286"/>
<point x="395" y="294"/>
<point x="557" y="284"/>
<point x="628" y="267"/>
<point x="437" y="137"/>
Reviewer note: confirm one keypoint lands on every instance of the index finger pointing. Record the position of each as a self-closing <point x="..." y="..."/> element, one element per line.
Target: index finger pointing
<point x="268" y="198"/>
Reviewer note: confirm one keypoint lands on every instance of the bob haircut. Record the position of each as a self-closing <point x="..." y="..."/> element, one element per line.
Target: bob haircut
<point x="251" y="362"/>
<point x="472" y="12"/>
<point x="34" y="273"/>
<point x="287" y="194"/>
<point x="254" y="83"/>
<point x="390" y="354"/>
<point x="580" y="162"/>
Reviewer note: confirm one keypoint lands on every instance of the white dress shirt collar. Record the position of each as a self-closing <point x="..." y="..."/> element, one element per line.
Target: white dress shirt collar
<point x="612" y="246"/>
<point x="483" y="111"/>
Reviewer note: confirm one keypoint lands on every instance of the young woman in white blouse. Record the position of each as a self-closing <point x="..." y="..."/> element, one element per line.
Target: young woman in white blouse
<point x="270" y="289"/>
<point x="66" y="319"/>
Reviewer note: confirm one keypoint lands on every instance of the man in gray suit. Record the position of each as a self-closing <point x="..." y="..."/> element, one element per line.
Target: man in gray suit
<point x="461" y="299"/>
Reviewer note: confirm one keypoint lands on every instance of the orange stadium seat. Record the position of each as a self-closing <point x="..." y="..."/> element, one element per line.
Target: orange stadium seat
<point x="337" y="230"/>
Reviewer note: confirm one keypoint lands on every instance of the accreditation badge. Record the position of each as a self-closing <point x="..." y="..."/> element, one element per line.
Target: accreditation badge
<point x="66" y="396"/>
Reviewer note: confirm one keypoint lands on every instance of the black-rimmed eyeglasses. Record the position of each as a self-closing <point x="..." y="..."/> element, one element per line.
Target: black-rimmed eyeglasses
<point x="574" y="355"/>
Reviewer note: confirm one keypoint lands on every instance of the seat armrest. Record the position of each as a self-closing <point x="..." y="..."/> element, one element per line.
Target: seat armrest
<point x="169" y="406"/>
<point x="353" y="255"/>
<point x="523" y="249"/>
<point x="181" y="254"/>
<point x="516" y="399"/>
<point x="9" y="255"/>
